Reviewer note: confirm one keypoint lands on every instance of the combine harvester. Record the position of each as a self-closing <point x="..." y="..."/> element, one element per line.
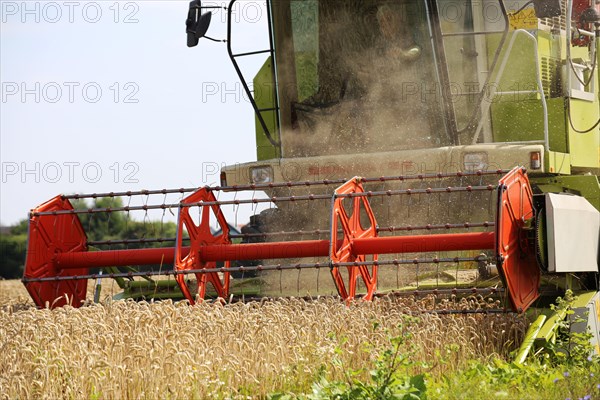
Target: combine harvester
<point x="472" y="135"/>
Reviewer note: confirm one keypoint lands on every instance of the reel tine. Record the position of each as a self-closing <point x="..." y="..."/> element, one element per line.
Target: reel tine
<point x="318" y="275"/>
<point x="254" y="205"/>
<point x="280" y="282"/>
<point x="385" y="188"/>
<point x="242" y="278"/>
<point x="162" y="218"/>
<point x="491" y="216"/>
<point x="127" y="217"/>
<point x="298" y="283"/>
<point x="237" y="209"/>
<point x="408" y="207"/>
<point x="417" y="273"/>
<point x="421" y="186"/>
<point x="437" y="275"/>
<point x="90" y="218"/>
<point x="456" y="276"/>
<point x="397" y="272"/>
<point x="428" y="207"/>
<point x="108" y="215"/>
<point x="478" y="275"/>
<point x="448" y="205"/>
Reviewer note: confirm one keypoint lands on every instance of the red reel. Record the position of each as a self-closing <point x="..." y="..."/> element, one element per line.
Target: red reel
<point x="200" y="235"/>
<point x="349" y="221"/>
<point x="50" y="235"/>
<point x="516" y="258"/>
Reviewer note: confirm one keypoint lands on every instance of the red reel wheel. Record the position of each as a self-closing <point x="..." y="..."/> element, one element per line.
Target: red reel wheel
<point x="50" y="235"/>
<point x="516" y="258"/>
<point x="201" y="235"/>
<point x="349" y="221"/>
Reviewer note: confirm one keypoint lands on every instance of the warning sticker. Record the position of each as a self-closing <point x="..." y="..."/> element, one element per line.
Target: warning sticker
<point x="525" y="19"/>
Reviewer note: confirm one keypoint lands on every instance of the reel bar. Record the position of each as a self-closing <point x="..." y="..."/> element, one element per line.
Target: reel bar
<point x="132" y="241"/>
<point x="451" y="291"/>
<point x="127" y="194"/>
<point x="184" y="205"/>
<point x="409" y="192"/>
<point x="397" y="262"/>
<point x="273" y="200"/>
<point x="271" y="250"/>
<point x="261" y="268"/>
<point x="429" y="227"/>
<point x="273" y="185"/>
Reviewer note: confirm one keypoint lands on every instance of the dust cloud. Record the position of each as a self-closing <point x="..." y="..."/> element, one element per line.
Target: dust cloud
<point x="376" y="89"/>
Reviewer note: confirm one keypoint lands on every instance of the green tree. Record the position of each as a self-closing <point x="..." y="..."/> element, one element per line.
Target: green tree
<point x="12" y="255"/>
<point x="20" y="228"/>
<point x="101" y="226"/>
<point x="119" y="225"/>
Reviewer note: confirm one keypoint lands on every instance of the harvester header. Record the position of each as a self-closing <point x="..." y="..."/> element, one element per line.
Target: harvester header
<point x="60" y="258"/>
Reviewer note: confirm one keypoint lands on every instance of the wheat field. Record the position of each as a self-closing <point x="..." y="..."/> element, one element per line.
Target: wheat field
<point x="129" y="350"/>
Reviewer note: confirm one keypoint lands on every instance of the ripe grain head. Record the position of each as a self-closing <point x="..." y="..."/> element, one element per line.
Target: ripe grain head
<point x="125" y="349"/>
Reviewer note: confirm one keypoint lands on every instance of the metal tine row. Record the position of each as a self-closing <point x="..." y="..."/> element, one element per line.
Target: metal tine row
<point x="273" y="185"/>
<point x="417" y="291"/>
<point x="146" y="229"/>
<point x="261" y="268"/>
<point x="273" y="200"/>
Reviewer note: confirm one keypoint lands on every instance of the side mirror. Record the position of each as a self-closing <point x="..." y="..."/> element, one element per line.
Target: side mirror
<point x="547" y="8"/>
<point x="196" y="23"/>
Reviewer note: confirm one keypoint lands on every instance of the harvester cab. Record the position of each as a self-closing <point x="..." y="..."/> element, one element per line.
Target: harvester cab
<point x="409" y="147"/>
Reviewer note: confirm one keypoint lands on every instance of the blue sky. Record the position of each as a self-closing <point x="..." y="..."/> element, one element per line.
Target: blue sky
<point x="105" y="96"/>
